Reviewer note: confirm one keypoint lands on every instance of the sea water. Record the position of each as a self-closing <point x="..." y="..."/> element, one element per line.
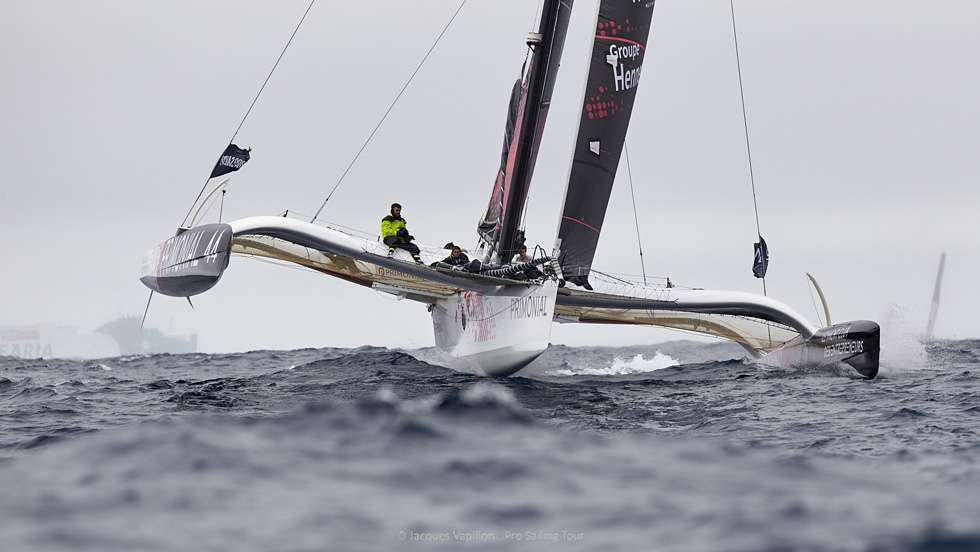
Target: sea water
<point x="680" y="446"/>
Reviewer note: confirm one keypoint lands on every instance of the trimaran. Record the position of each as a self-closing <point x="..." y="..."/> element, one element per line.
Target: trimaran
<point x="491" y="319"/>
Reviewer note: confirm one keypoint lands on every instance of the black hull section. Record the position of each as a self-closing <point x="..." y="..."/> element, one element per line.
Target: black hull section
<point x="189" y="263"/>
<point x="180" y="286"/>
<point x="856" y="344"/>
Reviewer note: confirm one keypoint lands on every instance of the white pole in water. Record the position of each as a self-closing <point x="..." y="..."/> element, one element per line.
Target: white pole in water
<point x="935" y="298"/>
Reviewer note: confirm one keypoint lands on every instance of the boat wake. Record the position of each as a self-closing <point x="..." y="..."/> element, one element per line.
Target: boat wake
<point x="638" y="364"/>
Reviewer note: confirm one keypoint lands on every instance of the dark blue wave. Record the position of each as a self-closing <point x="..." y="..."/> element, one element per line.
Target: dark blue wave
<point x="372" y="449"/>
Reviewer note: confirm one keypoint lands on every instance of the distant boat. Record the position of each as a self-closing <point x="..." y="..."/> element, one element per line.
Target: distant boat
<point x="122" y="336"/>
<point x="133" y="340"/>
<point x="934" y="310"/>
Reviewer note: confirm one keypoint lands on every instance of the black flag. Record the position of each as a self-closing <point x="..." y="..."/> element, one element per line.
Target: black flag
<point x="761" y="263"/>
<point x="231" y="160"/>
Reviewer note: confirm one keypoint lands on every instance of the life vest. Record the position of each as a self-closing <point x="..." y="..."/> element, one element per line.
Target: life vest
<point x="390" y="225"/>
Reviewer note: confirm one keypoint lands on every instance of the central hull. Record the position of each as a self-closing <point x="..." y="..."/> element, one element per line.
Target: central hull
<point x="498" y="333"/>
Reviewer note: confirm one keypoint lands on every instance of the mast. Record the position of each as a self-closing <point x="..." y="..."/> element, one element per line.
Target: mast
<point x="618" y="49"/>
<point x="527" y="114"/>
<point x="934" y="311"/>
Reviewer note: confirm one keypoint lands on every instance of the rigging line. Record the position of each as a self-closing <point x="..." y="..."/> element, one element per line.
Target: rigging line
<point x="527" y="202"/>
<point x="636" y="218"/>
<point x="745" y="119"/>
<point x="281" y="264"/>
<point x="146" y="311"/>
<point x="206" y="203"/>
<point x="611" y="277"/>
<point x="388" y="111"/>
<point x="256" y="98"/>
<point x="273" y="70"/>
<point x="745" y="125"/>
<point x="207" y="198"/>
<point x="813" y="301"/>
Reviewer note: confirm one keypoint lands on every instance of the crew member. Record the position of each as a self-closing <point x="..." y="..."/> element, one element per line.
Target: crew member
<point x="456" y="256"/>
<point x="394" y="233"/>
<point x="521" y="256"/>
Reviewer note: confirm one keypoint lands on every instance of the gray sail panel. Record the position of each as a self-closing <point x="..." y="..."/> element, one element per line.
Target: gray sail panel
<point x="618" y="50"/>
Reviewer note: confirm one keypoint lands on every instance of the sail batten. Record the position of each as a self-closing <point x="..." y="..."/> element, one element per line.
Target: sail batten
<point x="619" y="45"/>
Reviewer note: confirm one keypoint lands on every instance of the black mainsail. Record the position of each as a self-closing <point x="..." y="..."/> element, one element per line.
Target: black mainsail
<point x="621" y="32"/>
<point x="527" y="112"/>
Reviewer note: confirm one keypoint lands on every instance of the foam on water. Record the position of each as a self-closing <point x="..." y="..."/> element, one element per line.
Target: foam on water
<point x="638" y="364"/>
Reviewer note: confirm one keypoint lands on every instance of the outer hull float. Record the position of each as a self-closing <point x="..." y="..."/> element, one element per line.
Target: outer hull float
<point x="856" y="344"/>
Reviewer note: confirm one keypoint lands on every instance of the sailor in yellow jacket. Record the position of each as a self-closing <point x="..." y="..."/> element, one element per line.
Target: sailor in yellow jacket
<point x="394" y="233"/>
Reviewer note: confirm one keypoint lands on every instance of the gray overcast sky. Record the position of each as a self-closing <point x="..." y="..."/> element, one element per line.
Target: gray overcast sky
<point x="864" y="117"/>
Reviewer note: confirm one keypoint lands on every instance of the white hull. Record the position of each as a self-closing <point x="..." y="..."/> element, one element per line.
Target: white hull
<point x="495" y="334"/>
<point x="484" y="325"/>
